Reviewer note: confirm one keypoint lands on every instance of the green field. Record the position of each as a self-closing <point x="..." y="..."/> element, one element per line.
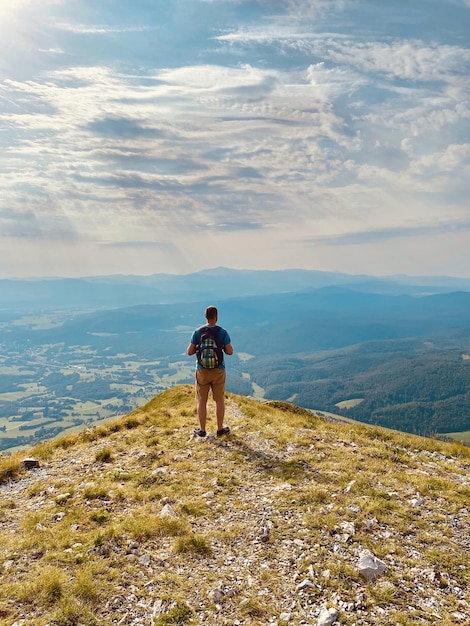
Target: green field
<point x="48" y="393"/>
<point x="462" y="437"/>
<point x="50" y="389"/>
<point x="349" y="404"/>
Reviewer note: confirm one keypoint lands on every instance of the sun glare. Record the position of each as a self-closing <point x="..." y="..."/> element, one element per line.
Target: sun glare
<point x="9" y="10"/>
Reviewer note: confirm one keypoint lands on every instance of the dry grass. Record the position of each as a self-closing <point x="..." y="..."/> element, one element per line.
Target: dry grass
<point x="75" y="532"/>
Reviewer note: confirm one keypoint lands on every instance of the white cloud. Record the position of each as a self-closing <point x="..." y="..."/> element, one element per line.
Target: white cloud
<point x="442" y="166"/>
<point x="100" y="29"/>
<point x="411" y="60"/>
<point x="408" y="59"/>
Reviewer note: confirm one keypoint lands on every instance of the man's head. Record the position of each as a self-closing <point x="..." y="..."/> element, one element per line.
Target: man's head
<point x="211" y="314"/>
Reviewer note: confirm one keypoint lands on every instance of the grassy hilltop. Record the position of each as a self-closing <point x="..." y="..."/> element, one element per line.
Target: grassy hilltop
<point x="136" y="522"/>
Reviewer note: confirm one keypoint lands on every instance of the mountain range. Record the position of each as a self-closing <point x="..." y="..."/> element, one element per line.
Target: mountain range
<point x="219" y="283"/>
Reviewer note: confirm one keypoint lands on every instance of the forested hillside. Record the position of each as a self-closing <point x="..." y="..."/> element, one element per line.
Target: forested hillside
<point x="408" y="385"/>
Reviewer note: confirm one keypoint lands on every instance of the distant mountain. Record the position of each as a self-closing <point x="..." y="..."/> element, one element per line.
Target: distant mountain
<point x="33" y="296"/>
<point x="217" y="284"/>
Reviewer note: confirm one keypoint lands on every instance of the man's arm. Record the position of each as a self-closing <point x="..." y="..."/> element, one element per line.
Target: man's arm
<point x="192" y="348"/>
<point x="227" y="347"/>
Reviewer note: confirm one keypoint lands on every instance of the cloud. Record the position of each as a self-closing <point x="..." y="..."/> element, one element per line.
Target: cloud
<point x="400" y="232"/>
<point x="244" y="82"/>
<point x="455" y="158"/>
<point x="29" y="225"/>
<point x="233" y="226"/>
<point x="410" y="60"/>
<point x="104" y="29"/>
<point x="121" y="127"/>
<point x="160" y="245"/>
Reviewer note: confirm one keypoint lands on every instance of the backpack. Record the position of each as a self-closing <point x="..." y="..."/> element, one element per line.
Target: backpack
<point x="209" y="353"/>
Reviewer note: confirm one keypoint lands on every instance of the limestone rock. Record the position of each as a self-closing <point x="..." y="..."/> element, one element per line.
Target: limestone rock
<point x="327" y="617"/>
<point x="305" y="584"/>
<point x="168" y="511"/>
<point x="370" y="566"/>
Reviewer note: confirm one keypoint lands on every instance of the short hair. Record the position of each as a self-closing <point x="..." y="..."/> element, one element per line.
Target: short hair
<point x="211" y="313"/>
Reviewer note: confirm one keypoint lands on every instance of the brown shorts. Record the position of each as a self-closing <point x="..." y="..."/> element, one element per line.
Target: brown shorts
<point x="210" y="379"/>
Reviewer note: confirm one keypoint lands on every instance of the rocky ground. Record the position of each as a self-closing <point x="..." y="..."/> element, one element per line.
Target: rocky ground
<point x="284" y="530"/>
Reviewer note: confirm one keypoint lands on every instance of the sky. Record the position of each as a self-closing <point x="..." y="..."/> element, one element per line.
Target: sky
<point x="148" y="136"/>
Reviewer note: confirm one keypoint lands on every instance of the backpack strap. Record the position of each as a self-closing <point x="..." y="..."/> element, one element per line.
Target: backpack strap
<point x="220" y="351"/>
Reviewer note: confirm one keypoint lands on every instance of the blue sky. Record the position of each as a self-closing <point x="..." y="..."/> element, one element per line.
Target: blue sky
<point x="156" y="136"/>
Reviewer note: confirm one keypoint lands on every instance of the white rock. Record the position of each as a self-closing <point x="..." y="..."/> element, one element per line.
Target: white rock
<point x="370" y="566"/>
<point x="144" y="559"/>
<point x="459" y="616"/>
<point x="160" y="470"/>
<point x="355" y="508"/>
<point x="348" y="528"/>
<point x="327" y="617"/>
<point x="416" y="501"/>
<point x="168" y="511"/>
<point x="305" y="584"/>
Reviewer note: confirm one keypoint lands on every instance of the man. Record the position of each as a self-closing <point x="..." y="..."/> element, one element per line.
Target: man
<point x="210" y="377"/>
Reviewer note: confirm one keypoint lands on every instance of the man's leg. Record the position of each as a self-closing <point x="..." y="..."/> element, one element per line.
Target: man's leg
<point x="218" y="392"/>
<point x="220" y="412"/>
<point x="202" y="413"/>
<point x="202" y="393"/>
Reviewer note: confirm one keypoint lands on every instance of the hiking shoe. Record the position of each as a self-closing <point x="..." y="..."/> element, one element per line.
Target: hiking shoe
<point x="223" y="431"/>
<point x="199" y="433"/>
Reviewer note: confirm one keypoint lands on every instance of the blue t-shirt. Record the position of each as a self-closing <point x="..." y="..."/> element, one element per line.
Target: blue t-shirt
<point x="223" y="338"/>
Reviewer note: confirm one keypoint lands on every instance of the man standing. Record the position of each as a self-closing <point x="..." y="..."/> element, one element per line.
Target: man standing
<point x="209" y="342"/>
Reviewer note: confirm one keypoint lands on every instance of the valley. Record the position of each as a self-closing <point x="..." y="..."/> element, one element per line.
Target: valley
<point x="395" y="360"/>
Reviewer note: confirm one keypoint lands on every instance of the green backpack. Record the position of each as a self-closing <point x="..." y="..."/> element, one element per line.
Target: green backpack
<point x="209" y="352"/>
